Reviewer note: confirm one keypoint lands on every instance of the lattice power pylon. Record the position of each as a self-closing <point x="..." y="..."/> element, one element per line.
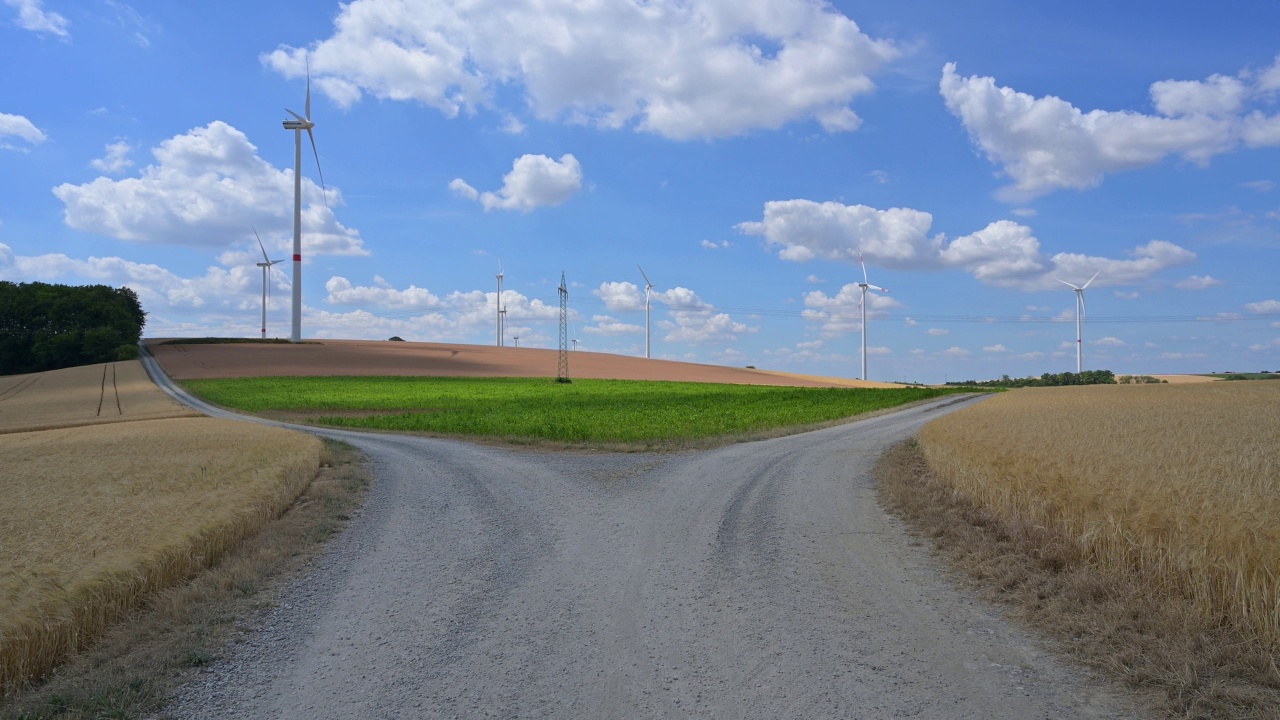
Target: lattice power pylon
<point x="562" y="369"/>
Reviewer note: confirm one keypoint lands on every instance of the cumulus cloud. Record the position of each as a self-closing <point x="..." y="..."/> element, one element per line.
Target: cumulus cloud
<point x="712" y="245"/>
<point x="1110" y="342"/>
<point x="1045" y="144"/>
<point x="17" y="126"/>
<point x="839" y="313"/>
<point x="957" y="352"/>
<point x="204" y="190"/>
<point x="32" y="16"/>
<point x="342" y="292"/>
<point x="157" y="288"/>
<point x="679" y="68"/>
<point x="938" y="332"/>
<point x="116" y="160"/>
<point x="534" y="181"/>
<point x="1266" y="307"/>
<point x="606" y="325"/>
<point x="995" y="348"/>
<point x="1003" y="254"/>
<point x="689" y="318"/>
<point x="1197" y="282"/>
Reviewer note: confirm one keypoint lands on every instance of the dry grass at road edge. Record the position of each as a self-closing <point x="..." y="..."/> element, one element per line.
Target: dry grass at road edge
<point x="1114" y="620"/>
<point x="134" y="667"/>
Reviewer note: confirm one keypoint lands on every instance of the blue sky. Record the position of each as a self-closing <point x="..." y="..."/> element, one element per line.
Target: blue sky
<point x="742" y="151"/>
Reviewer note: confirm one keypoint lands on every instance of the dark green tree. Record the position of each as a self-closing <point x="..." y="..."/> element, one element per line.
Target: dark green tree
<point x="46" y="327"/>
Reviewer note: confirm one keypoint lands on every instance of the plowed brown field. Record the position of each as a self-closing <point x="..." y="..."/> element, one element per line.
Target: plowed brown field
<point x="372" y="357"/>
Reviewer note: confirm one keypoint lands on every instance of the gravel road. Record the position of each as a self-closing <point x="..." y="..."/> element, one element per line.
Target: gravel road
<point x="759" y="580"/>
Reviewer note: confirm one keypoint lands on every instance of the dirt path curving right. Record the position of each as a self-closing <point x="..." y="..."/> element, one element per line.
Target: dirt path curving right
<point x="759" y="580"/>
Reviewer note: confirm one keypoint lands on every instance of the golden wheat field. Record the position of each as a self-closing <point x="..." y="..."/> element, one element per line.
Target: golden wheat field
<point x="86" y="395"/>
<point x="94" y="517"/>
<point x="1181" y="482"/>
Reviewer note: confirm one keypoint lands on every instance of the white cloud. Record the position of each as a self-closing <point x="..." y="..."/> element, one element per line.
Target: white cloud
<point x="814" y="280"/>
<point x="1036" y="355"/>
<point x="206" y="188"/>
<point x="620" y="296"/>
<point x="1114" y="342"/>
<point x="995" y="349"/>
<point x="1264" y="307"/>
<point x="605" y="325"/>
<point x="679" y="68"/>
<point x="17" y="126"/>
<point x="1260" y="186"/>
<point x="1023" y="212"/>
<point x="957" y="352"/>
<point x="1046" y="144"/>
<point x="910" y="322"/>
<point x="880" y="176"/>
<point x="1003" y="254"/>
<point x="839" y="314"/>
<point x="873" y="350"/>
<point x="342" y="292"/>
<point x="32" y="16"/>
<point x="1197" y="282"/>
<point x="833" y="231"/>
<point x="534" y="181"/>
<point x="712" y="245"/>
<point x="938" y="332"/>
<point x="1127" y="295"/>
<point x="116" y="160"/>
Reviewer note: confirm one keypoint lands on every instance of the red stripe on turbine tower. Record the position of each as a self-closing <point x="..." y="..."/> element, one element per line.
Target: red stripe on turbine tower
<point x="297" y="258"/>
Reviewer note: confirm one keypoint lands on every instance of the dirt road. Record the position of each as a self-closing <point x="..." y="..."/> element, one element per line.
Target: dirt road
<point x="759" y="580"/>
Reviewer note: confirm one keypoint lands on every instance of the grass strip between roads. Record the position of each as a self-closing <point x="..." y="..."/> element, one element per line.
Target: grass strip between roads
<point x="132" y="669"/>
<point x="525" y="410"/>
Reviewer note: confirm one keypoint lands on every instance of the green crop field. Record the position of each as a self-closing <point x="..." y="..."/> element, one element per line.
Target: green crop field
<point x="525" y="409"/>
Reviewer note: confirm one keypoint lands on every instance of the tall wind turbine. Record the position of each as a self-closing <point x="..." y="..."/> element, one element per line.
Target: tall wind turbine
<point x="648" y="288"/>
<point x="297" y="125"/>
<point x="498" y="304"/>
<point x="862" y="305"/>
<point x="1079" y="320"/>
<point x="266" y="269"/>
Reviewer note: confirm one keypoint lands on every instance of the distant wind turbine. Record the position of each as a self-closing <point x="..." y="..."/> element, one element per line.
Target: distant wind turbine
<point x="517" y="339"/>
<point x="648" y="288"/>
<point x="575" y="337"/>
<point x="498" y="304"/>
<point x="1079" y="320"/>
<point x="266" y="269"/>
<point x="297" y="125"/>
<point x="862" y="305"/>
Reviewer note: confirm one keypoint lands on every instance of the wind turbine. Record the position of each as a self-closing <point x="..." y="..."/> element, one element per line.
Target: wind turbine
<point x="266" y="268"/>
<point x="862" y="305"/>
<point x="648" y="288"/>
<point x="297" y="125"/>
<point x="575" y="338"/>
<point x="498" y="304"/>
<point x="1079" y="319"/>
<point x="517" y="339"/>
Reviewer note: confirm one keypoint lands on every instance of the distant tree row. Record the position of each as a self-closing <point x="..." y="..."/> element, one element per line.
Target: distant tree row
<point x="46" y="327"/>
<point x="1088" y="377"/>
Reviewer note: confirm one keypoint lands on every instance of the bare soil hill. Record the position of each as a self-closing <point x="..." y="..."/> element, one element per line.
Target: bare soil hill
<point x="373" y="357"/>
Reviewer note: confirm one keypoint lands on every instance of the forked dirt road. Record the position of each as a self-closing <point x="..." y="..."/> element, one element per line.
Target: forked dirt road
<point x="759" y="580"/>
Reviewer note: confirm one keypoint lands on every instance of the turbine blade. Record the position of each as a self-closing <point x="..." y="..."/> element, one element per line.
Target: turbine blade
<point x="296" y="115"/>
<point x="1064" y="282"/>
<point x="877" y="287"/>
<point x="315" y="152"/>
<point x="864" y="267"/>
<point x="308" y="87"/>
<point x="1082" y="303"/>
<point x="260" y="247"/>
<point x="646" y="277"/>
<point x="1090" y="280"/>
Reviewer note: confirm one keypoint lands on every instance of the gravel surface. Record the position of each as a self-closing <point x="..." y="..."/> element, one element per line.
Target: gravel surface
<point x="759" y="580"/>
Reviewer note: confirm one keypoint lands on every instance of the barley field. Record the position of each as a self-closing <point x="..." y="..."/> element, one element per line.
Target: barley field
<point x="1178" y="482"/>
<point x="94" y="517"/>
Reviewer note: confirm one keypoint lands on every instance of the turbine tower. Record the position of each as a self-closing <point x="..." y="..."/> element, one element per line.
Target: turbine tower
<point x="266" y="268"/>
<point x="862" y="305"/>
<point x="1079" y="320"/>
<point x="648" y="288"/>
<point x="498" y="304"/>
<point x="297" y="125"/>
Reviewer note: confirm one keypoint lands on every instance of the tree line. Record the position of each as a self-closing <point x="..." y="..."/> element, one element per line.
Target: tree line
<point x="1087" y="377"/>
<point x="46" y="327"/>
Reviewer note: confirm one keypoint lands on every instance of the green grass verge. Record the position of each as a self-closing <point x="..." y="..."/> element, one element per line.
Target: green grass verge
<point x="532" y="409"/>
